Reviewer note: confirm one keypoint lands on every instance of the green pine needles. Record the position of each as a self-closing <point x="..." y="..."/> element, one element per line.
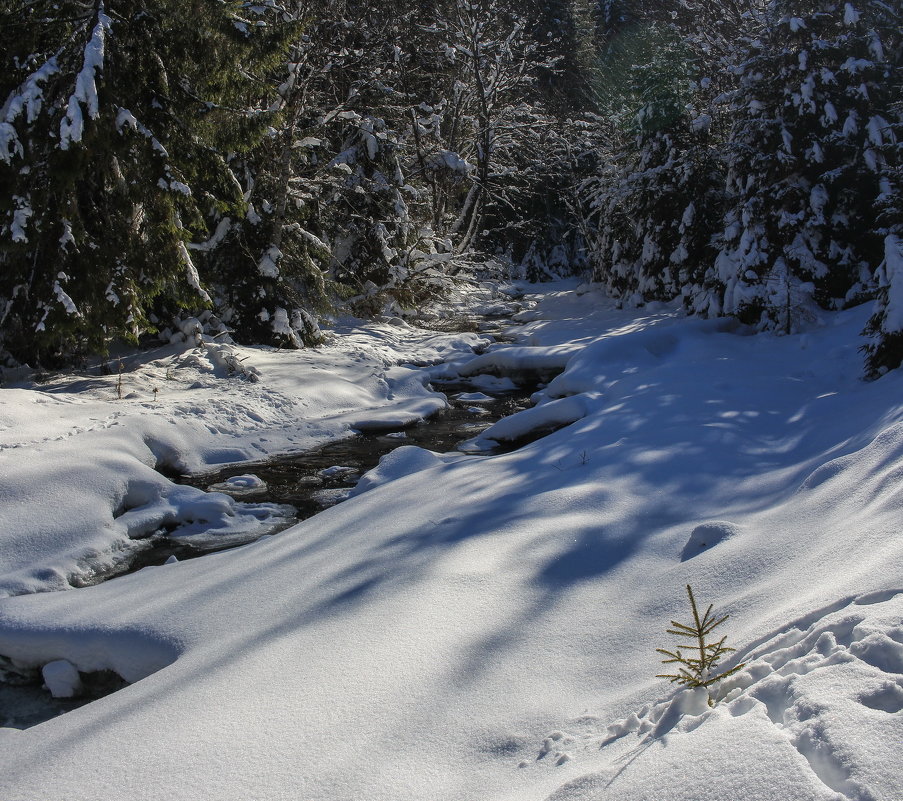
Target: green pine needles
<point x="697" y="668"/>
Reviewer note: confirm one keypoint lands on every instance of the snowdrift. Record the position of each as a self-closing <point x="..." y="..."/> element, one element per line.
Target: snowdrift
<point x="485" y="628"/>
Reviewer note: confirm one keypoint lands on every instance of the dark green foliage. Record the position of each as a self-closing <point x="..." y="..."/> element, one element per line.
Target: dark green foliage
<point x="262" y="161"/>
<point x="750" y="159"/>
<point x="805" y="162"/>
<point x="656" y="203"/>
<point x="885" y="327"/>
<point x="113" y="159"/>
<point x="699" y="660"/>
<point x="266" y="162"/>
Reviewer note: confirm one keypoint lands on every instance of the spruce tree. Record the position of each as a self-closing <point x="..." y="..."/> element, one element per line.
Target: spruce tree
<point x="660" y="189"/>
<point x="114" y="129"/>
<point x="807" y="155"/>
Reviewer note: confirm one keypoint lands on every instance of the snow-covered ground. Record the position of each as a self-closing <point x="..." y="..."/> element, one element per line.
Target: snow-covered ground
<point x="472" y="627"/>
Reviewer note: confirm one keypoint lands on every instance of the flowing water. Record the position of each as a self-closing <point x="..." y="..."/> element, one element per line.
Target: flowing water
<point x="310" y="482"/>
<point x="315" y="480"/>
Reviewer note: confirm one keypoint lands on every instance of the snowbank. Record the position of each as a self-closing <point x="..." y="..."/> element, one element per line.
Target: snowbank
<point x="81" y="456"/>
<point x="486" y="628"/>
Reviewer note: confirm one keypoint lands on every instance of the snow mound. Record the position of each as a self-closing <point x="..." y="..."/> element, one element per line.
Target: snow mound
<point x="237" y="486"/>
<point x="473" y="397"/>
<point x="707" y="535"/>
<point x="522" y="364"/>
<point x="403" y="461"/>
<point x="883" y="455"/>
<point x="61" y="677"/>
<point x="531" y="422"/>
<point x="192" y="515"/>
<point x="338" y="471"/>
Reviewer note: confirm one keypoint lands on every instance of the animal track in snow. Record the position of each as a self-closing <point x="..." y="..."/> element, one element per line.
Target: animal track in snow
<point x="888" y="698"/>
<point x="553" y="744"/>
<point x="830" y="683"/>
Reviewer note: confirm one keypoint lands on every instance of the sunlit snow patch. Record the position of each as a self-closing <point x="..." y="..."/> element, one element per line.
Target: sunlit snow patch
<point x="201" y="519"/>
<point x="238" y="486"/>
<point x="818" y="702"/>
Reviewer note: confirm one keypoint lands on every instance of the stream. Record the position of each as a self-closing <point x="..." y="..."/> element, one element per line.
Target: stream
<point x="310" y="482"/>
<point x="314" y="480"/>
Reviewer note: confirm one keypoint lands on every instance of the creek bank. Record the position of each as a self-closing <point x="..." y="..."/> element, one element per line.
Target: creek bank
<point x="316" y="480"/>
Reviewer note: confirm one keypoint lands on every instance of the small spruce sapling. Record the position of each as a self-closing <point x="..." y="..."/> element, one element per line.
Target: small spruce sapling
<point x="698" y="667"/>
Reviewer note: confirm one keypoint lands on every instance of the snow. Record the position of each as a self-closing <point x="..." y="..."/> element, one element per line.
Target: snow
<point x="61" y="678"/>
<point x="245" y="482"/>
<point x="196" y="406"/>
<point x="191" y="273"/>
<point x="269" y="262"/>
<point x="28" y="98"/>
<point x="850" y="14"/>
<point x="64" y="300"/>
<point x="403" y="461"/>
<point x="890" y="275"/>
<point x="851" y="125"/>
<point x="21" y="214"/>
<point x="85" y="92"/>
<point x="476" y="627"/>
<point x="876" y="127"/>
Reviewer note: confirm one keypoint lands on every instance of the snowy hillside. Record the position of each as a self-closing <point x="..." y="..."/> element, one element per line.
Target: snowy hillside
<point x="472" y="627"/>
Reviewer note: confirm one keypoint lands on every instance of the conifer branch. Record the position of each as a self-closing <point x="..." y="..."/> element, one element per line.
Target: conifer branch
<point x="697" y="669"/>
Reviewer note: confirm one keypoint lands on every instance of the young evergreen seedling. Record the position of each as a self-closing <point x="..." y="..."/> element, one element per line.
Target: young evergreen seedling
<point x="698" y="667"/>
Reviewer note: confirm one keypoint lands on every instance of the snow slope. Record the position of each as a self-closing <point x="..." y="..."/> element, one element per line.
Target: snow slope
<point x="72" y="444"/>
<point x="485" y="628"/>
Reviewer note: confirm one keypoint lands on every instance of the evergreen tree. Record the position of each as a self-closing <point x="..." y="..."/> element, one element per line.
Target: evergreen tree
<point x="807" y="154"/>
<point x="112" y="143"/>
<point x="658" y="192"/>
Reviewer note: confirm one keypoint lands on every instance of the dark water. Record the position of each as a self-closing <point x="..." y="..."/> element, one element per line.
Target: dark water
<point x="299" y="479"/>
<point x="25" y="703"/>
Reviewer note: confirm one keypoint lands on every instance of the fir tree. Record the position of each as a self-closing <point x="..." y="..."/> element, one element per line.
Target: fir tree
<point x="112" y="143"/>
<point x="806" y="160"/>
<point x="697" y="656"/>
<point x="656" y="198"/>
